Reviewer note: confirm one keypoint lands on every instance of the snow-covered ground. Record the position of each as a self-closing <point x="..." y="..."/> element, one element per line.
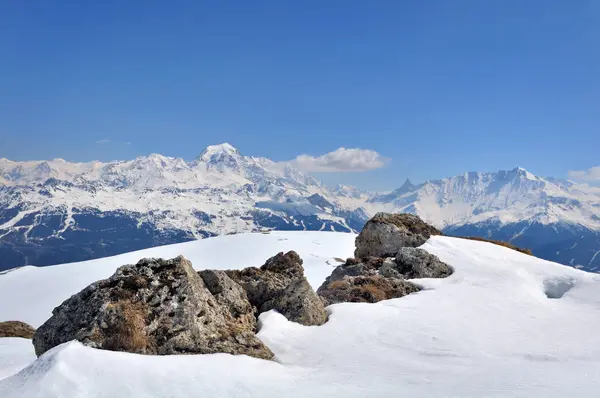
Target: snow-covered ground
<point x="488" y="330"/>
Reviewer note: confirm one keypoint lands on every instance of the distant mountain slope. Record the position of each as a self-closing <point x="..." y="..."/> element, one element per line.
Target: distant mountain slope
<point x="55" y="211"/>
<point x="558" y="220"/>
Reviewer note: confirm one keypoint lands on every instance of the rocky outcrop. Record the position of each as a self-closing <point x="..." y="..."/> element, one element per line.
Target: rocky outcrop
<point x="365" y="289"/>
<point x="385" y="234"/>
<point x="280" y="285"/>
<point x="156" y="307"/>
<point x="386" y="256"/>
<point x="412" y="263"/>
<point x="361" y="281"/>
<point x="16" y="329"/>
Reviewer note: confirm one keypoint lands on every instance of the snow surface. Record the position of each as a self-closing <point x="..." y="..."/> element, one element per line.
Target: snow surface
<point x="37" y="290"/>
<point x="490" y="329"/>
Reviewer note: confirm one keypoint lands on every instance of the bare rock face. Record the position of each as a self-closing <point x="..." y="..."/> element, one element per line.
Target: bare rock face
<point x="411" y="263"/>
<point x="155" y="307"/>
<point x="16" y="329"/>
<point x="365" y="289"/>
<point x="280" y="284"/>
<point x="385" y="234"/>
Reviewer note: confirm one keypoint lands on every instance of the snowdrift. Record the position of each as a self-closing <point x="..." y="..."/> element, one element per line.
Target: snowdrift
<point x="504" y="324"/>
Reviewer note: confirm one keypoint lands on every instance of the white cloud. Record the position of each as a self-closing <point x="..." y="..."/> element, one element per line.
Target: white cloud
<point x="341" y="160"/>
<point x="591" y="174"/>
<point x="109" y="141"/>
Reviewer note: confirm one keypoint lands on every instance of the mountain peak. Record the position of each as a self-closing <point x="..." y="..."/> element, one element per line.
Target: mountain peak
<point x="220" y="149"/>
<point x="521" y="172"/>
<point x="407" y="184"/>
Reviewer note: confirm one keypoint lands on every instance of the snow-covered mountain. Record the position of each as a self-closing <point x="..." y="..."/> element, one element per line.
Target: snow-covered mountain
<point x="56" y="211"/>
<point x="559" y="220"/>
<point x="504" y="324"/>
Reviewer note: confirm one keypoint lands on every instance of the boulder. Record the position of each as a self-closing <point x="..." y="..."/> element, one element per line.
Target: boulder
<point x="280" y="285"/>
<point x="365" y="289"/>
<point x="411" y="263"/>
<point x="385" y="234"/>
<point x="155" y="307"/>
<point x="16" y="329"/>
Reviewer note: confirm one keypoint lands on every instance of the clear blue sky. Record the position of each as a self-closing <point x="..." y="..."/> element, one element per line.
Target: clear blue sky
<point x="439" y="87"/>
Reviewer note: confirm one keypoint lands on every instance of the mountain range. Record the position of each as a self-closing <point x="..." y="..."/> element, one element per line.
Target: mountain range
<point x="57" y="211"/>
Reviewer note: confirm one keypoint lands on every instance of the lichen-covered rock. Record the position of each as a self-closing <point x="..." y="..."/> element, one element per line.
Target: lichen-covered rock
<point x="385" y="234"/>
<point x="411" y="263"/>
<point x="16" y="329"/>
<point x="389" y="269"/>
<point x="365" y="289"/>
<point x="354" y="267"/>
<point x="153" y="307"/>
<point x="280" y="285"/>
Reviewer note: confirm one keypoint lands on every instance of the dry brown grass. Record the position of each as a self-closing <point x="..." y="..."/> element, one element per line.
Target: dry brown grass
<point x="16" y="329"/>
<point x="371" y="293"/>
<point x="365" y="289"/>
<point x="127" y="333"/>
<point x="407" y="221"/>
<point x="338" y="285"/>
<point x="499" y="243"/>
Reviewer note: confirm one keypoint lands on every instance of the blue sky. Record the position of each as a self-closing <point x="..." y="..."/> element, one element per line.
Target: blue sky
<point x="437" y="87"/>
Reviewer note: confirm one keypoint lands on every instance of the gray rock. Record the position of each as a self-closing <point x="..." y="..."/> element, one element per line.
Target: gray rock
<point x="229" y="294"/>
<point x="155" y="307"/>
<point x="280" y="284"/>
<point x="365" y="289"/>
<point x="384" y="234"/>
<point x="417" y="263"/>
<point x="389" y="269"/>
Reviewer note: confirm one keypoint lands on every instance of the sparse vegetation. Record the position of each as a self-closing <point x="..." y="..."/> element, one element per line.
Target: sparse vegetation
<point x="127" y="331"/>
<point x="366" y="289"/>
<point x="499" y="243"/>
<point x="16" y="329"/>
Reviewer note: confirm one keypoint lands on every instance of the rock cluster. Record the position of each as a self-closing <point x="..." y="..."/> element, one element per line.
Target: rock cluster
<point x="386" y="255"/>
<point x="165" y="307"/>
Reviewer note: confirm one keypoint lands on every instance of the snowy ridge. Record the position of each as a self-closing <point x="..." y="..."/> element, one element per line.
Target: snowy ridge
<point x="50" y="208"/>
<point x="504" y="196"/>
<point x="503" y="324"/>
